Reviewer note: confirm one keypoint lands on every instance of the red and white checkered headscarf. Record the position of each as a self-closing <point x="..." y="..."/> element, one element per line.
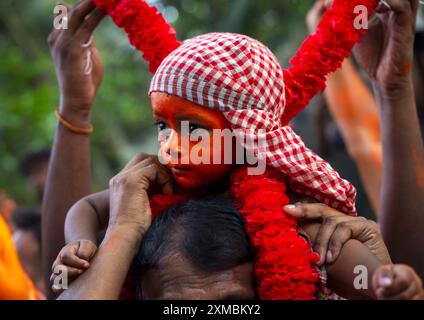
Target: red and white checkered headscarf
<point x="241" y="77"/>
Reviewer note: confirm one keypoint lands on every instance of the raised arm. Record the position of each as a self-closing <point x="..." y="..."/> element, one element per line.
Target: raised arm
<point x="386" y="54"/>
<point x="69" y="175"/>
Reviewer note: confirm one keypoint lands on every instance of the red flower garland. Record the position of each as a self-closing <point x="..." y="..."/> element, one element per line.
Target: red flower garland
<point x="284" y="266"/>
<point x="147" y="30"/>
<point x="321" y="54"/>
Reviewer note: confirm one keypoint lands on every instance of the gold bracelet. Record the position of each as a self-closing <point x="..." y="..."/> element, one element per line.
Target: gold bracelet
<point x="73" y="128"/>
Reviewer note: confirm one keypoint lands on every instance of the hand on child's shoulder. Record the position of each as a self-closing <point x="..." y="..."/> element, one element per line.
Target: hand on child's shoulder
<point x="75" y="258"/>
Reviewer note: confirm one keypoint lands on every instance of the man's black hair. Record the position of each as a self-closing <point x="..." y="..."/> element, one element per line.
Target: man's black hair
<point x="208" y="232"/>
<point x="28" y="219"/>
<point x="32" y="160"/>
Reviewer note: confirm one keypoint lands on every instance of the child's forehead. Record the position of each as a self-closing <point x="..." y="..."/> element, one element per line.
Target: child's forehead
<point x="163" y="103"/>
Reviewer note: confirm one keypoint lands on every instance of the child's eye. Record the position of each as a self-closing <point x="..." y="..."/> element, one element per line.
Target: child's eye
<point x="193" y="127"/>
<point x="161" y="125"/>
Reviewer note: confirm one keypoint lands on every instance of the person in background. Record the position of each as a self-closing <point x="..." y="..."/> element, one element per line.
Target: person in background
<point x="7" y="206"/>
<point x="27" y="239"/>
<point x="14" y="283"/>
<point x="34" y="167"/>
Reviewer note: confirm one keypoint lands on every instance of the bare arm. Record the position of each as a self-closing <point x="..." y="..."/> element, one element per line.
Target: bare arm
<point x="402" y="200"/>
<point x="87" y="217"/>
<point x="130" y="217"/>
<point x="386" y="54"/>
<point x="341" y="275"/>
<point x="69" y="174"/>
<point x="105" y="278"/>
<point x="68" y="180"/>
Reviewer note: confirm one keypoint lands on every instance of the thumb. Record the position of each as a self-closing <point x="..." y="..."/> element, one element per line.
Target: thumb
<point x="86" y="250"/>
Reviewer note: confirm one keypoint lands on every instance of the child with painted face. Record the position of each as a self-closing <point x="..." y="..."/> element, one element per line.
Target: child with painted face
<point x="223" y="81"/>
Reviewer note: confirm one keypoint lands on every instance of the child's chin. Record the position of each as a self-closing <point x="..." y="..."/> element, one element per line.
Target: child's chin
<point x="188" y="183"/>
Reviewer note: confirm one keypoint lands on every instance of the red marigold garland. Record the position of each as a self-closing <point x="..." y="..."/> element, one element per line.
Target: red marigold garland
<point x="321" y="54"/>
<point x="147" y="30"/>
<point x="284" y="266"/>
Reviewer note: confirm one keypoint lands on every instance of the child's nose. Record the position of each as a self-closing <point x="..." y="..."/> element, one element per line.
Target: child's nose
<point x="173" y="146"/>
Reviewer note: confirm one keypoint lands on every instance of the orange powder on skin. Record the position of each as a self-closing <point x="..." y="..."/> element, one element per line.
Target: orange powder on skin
<point x="407" y="68"/>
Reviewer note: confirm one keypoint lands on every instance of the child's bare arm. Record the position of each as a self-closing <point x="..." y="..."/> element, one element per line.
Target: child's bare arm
<point x="83" y="223"/>
<point x="342" y="273"/>
<point x="87" y="217"/>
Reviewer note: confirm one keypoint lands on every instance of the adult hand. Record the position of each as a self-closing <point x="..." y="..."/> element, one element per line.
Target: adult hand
<point x="129" y="202"/>
<point x="71" y="49"/>
<point x="336" y="229"/>
<point x="385" y="53"/>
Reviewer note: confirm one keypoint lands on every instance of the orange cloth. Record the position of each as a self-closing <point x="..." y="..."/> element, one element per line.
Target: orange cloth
<point x="355" y="111"/>
<point x="14" y="283"/>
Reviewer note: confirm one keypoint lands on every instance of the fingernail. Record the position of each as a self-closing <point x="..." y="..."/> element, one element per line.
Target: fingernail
<point x="290" y="207"/>
<point x="385" y="282"/>
<point x="329" y="256"/>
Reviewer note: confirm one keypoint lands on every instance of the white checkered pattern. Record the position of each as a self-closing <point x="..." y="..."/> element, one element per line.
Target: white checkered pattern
<point x="241" y="77"/>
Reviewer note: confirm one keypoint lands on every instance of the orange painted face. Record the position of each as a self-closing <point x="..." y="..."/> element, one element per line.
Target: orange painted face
<point x="185" y="131"/>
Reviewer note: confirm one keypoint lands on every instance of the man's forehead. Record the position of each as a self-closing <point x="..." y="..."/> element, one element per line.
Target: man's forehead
<point x="176" y="281"/>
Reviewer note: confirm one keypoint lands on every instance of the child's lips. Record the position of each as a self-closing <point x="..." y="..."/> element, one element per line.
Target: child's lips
<point x="180" y="169"/>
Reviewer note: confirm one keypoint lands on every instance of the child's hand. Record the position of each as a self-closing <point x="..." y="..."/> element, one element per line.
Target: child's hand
<point x="397" y="282"/>
<point x="75" y="257"/>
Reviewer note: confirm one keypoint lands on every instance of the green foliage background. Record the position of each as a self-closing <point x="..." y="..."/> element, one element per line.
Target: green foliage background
<point x="29" y="93"/>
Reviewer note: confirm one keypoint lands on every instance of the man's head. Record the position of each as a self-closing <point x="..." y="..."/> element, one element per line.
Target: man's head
<point x="34" y="167"/>
<point x="197" y="250"/>
<point x="27" y="239"/>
